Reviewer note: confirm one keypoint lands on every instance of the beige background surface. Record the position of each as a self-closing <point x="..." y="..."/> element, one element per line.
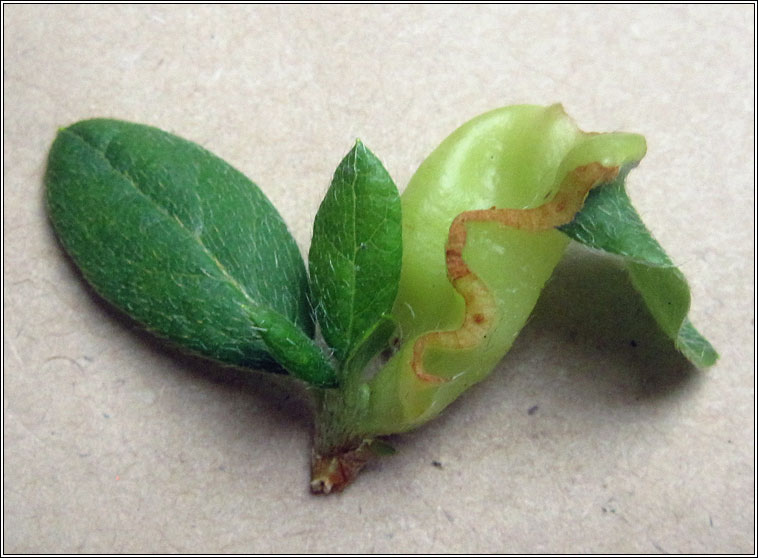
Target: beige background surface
<point x="113" y="443"/>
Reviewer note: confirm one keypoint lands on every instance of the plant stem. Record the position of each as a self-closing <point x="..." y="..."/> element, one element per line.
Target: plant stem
<point x="340" y="448"/>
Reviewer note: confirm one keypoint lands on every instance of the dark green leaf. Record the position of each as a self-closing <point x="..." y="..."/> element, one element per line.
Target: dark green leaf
<point x="610" y="223"/>
<point x="356" y="252"/>
<point x="175" y="237"/>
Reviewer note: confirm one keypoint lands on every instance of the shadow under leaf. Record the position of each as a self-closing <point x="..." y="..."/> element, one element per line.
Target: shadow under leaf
<point x="278" y="394"/>
<point x="591" y="306"/>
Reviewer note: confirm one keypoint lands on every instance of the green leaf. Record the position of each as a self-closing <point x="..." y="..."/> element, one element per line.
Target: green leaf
<point x="294" y="350"/>
<point x="373" y="342"/>
<point x="356" y="252"/>
<point x="609" y="222"/>
<point x="176" y="238"/>
<point x="381" y="448"/>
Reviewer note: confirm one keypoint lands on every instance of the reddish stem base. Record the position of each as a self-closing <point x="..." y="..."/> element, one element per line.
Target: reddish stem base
<point x="334" y="471"/>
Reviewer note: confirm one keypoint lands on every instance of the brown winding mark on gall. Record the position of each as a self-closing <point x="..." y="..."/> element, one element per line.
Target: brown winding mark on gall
<point x="479" y="317"/>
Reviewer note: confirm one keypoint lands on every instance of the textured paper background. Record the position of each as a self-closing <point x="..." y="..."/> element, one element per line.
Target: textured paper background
<point x="114" y="443"/>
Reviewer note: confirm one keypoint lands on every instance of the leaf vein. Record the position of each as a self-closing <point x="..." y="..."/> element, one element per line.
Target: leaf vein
<point x="162" y="210"/>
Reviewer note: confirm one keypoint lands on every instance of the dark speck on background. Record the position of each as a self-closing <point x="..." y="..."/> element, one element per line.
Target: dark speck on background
<point x="533" y="409"/>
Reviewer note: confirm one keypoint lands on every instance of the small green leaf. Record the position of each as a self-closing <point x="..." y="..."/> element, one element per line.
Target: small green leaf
<point x="381" y="448"/>
<point x="610" y="223"/>
<point x="356" y="252"/>
<point x="176" y="238"/>
<point x="374" y="341"/>
<point x="294" y="350"/>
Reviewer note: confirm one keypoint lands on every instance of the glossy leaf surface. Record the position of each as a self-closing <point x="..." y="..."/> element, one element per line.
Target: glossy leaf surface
<point x="516" y="158"/>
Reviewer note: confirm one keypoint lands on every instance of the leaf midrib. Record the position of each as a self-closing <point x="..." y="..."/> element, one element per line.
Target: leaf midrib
<point x="220" y="266"/>
<point x="353" y="279"/>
